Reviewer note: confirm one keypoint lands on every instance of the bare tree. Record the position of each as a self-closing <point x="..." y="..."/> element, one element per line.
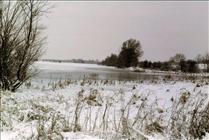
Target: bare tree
<point x="20" y="41"/>
<point x="178" y="58"/>
<point x="199" y="58"/>
<point x="206" y="60"/>
<point x="206" y="57"/>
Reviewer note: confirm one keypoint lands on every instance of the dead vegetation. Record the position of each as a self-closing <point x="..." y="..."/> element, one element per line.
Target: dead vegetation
<point x="112" y="116"/>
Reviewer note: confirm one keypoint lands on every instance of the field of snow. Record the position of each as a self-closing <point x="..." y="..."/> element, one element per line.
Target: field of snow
<point x="96" y="109"/>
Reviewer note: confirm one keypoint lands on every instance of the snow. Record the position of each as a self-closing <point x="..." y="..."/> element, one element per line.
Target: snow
<point x="206" y="137"/>
<point x="58" y="100"/>
<point x="19" y="110"/>
<point x="66" y="136"/>
<point x="78" y="136"/>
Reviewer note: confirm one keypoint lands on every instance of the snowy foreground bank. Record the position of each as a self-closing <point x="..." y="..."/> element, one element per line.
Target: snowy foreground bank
<point x="102" y="109"/>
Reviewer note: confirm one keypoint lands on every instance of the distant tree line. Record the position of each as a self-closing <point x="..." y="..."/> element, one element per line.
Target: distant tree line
<point x="179" y="63"/>
<point x="72" y="61"/>
<point x="129" y="55"/>
<point x="131" y="51"/>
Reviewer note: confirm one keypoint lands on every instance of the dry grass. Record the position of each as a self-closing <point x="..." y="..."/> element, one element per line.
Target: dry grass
<point x="111" y="117"/>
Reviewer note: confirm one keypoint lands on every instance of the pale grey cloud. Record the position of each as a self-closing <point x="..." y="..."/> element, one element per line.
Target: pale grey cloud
<point x="92" y="30"/>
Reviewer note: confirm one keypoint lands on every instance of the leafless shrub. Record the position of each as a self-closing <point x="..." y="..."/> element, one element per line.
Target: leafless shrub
<point x="78" y="109"/>
<point x="51" y="130"/>
<point x="20" y="41"/>
<point x="189" y="116"/>
<point x="199" y="123"/>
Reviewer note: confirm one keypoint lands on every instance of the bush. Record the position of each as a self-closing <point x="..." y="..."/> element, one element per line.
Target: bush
<point x="110" y="60"/>
<point x="20" y="41"/>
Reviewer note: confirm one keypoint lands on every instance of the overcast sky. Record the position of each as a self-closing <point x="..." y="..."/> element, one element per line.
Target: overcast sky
<point x="93" y="30"/>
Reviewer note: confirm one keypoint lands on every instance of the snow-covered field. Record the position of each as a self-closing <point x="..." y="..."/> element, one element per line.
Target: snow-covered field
<point x="103" y="109"/>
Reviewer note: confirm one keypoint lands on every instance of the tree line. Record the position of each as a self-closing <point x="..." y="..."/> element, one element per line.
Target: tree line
<point x="131" y="51"/>
<point x="89" y="61"/>
<point x="179" y="63"/>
